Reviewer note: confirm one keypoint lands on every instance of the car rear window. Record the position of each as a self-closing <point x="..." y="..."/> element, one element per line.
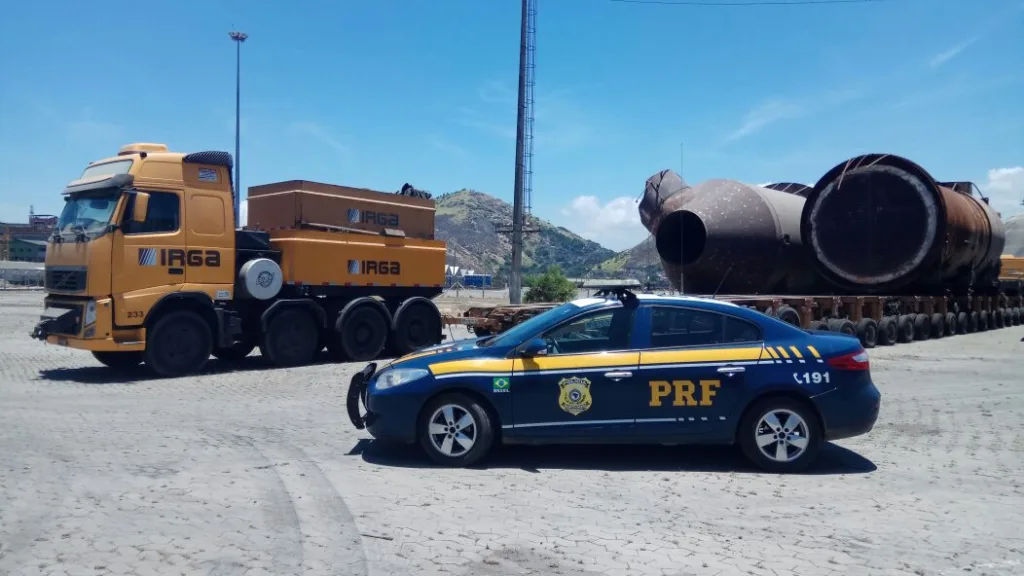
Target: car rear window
<point x="675" y="327"/>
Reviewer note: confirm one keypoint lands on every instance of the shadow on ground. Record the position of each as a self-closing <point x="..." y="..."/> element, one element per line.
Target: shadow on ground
<point x="99" y="374"/>
<point x="832" y="460"/>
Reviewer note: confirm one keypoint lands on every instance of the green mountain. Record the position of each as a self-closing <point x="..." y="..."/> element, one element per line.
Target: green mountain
<point x="469" y="221"/>
<point x="640" y="262"/>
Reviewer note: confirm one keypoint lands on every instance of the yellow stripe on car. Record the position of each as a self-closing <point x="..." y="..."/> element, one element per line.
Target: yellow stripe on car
<point x="500" y="365"/>
<point x="703" y="355"/>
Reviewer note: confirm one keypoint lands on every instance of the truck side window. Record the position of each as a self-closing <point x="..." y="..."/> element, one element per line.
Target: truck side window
<point x="164" y="214"/>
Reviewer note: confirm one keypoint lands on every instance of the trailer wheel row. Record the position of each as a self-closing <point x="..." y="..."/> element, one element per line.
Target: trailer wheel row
<point x="181" y="341"/>
<point x="906" y="328"/>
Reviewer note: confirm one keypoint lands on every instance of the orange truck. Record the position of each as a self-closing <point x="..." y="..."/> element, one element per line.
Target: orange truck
<point x="146" y="264"/>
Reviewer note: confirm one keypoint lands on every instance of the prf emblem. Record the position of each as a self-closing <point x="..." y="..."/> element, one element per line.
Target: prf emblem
<point x="574" y="395"/>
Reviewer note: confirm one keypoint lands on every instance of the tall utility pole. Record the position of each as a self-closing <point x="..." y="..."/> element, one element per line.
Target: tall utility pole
<point x="516" y="278"/>
<point x="238" y="38"/>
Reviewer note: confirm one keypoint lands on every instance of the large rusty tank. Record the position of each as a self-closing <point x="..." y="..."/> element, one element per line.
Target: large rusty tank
<point x="731" y="238"/>
<point x="879" y="223"/>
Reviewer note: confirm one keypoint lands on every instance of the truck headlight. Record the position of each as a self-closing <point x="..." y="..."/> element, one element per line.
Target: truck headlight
<point x="90" y="313"/>
<point x="392" y="378"/>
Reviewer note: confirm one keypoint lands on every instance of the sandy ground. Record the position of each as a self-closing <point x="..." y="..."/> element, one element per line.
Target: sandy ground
<point x="258" y="471"/>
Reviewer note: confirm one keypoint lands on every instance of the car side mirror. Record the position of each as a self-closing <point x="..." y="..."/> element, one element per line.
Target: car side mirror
<point x="140" y="208"/>
<point x="535" y="347"/>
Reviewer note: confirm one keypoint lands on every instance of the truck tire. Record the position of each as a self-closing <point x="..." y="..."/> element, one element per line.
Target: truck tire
<point x="887" y="331"/>
<point x="973" y="322"/>
<point x="364" y="333"/>
<point x="938" y="325"/>
<point x="843" y="326"/>
<point x="867" y="331"/>
<point x="292" y="338"/>
<point x="922" y="327"/>
<point x="179" y="344"/>
<point x="119" y="360"/>
<point x="983" y="322"/>
<point x="905" y="326"/>
<point x="417" y="326"/>
<point x="789" y="315"/>
<point x="951" y="324"/>
<point x="963" y="323"/>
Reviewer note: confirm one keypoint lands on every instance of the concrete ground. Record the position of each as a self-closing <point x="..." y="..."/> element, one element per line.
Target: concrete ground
<point x="258" y="471"/>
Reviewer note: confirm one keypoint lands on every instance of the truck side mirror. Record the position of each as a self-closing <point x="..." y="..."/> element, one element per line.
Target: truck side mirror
<point x="141" y="207"/>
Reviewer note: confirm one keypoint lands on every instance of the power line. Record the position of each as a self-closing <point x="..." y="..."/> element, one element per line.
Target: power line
<point x="709" y="3"/>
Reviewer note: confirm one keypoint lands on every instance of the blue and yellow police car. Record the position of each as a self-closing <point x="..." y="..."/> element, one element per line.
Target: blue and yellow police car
<point x="627" y="367"/>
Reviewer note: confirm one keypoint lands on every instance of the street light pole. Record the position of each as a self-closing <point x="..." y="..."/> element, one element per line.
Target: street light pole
<point x="238" y="38"/>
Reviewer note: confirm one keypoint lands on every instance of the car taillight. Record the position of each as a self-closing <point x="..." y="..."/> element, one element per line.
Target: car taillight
<point x="853" y="361"/>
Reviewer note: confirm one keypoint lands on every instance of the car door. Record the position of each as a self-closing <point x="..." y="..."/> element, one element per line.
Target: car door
<point x="578" y="388"/>
<point x="693" y="369"/>
<point x="148" y="257"/>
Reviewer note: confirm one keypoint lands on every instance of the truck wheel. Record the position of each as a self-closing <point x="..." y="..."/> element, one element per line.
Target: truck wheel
<point x="789" y="315"/>
<point x="119" y="360"/>
<point x="416" y="327"/>
<point x="364" y="334"/>
<point x="1016" y="316"/>
<point x="906" y="329"/>
<point x="455" y="430"/>
<point x="818" y="325"/>
<point x="292" y="338"/>
<point x="843" y="326"/>
<point x="973" y="322"/>
<point x="938" y="325"/>
<point x="887" y="331"/>
<point x="867" y="331"/>
<point x="236" y="352"/>
<point x="952" y="327"/>
<point x="780" y="435"/>
<point x="922" y="327"/>
<point x="179" y="344"/>
<point x="983" y="321"/>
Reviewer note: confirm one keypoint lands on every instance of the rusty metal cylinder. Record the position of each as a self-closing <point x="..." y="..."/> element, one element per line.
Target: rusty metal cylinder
<point x="734" y="238"/>
<point x="880" y="224"/>
<point x="664" y="193"/>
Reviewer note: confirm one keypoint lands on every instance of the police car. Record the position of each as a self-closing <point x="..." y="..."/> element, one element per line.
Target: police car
<point x="625" y="367"/>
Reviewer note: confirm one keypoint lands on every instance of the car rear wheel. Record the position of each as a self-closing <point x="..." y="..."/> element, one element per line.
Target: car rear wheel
<point x="455" y="430"/>
<point x="780" y="435"/>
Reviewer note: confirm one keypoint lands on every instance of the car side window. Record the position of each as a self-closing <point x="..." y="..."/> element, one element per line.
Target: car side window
<point x="598" y="332"/>
<point x="163" y="215"/>
<point x="677" y="327"/>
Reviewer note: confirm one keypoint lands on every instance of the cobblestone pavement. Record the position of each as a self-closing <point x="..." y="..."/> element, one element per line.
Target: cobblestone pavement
<point x="258" y="471"/>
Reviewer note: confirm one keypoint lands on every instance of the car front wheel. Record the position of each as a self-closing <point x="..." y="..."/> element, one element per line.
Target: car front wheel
<point x="455" y="430"/>
<point x="780" y="435"/>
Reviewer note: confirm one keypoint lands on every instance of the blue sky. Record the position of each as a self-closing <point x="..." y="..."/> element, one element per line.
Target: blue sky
<point x="377" y="93"/>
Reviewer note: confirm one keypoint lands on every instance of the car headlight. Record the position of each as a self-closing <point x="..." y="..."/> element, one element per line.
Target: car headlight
<point x="392" y="378"/>
<point x="90" y="313"/>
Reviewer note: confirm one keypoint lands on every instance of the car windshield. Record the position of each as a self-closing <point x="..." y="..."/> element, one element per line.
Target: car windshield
<point x="517" y="333"/>
<point x="89" y="212"/>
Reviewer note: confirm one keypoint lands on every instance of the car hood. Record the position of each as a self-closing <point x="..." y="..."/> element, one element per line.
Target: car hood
<point x="458" y="350"/>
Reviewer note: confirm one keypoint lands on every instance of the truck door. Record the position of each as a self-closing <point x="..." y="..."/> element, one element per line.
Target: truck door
<point x="210" y="255"/>
<point x="148" y="258"/>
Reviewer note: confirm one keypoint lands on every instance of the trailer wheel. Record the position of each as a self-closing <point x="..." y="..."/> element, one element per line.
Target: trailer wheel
<point x="843" y="326"/>
<point x="938" y="325"/>
<point x="179" y="344"/>
<point x="417" y="326"/>
<point x="887" y="331"/>
<point x="995" y="320"/>
<point x="922" y="326"/>
<point x="818" y="325"/>
<point x="973" y="322"/>
<point x="962" y="321"/>
<point x="951" y="326"/>
<point x="905" y="326"/>
<point x="867" y="332"/>
<point x="119" y="360"/>
<point x="364" y="333"/>
<point x="789" y="315"/>
<point x="1004" y="318"/>
<point x="1016" y="316"/>
<point x="292" y="338"/>
<point x="983" y="322"/>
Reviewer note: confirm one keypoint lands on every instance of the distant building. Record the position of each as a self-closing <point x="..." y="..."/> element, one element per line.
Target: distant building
<point x="26" y="250"/>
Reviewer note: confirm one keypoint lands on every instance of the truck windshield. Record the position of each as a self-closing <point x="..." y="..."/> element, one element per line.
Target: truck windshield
<point x="88" y="213"/>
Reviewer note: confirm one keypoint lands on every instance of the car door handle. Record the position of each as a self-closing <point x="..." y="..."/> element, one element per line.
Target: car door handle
<point x="617" y="375"/>
<point x="730" y="370"/>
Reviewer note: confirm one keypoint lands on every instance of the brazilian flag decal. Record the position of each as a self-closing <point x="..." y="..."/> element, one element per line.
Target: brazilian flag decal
<point x="501" y="385"/>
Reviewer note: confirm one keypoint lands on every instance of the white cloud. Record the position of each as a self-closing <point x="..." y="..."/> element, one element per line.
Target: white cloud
<point x="1005" y="190"/>
<point x="765" y="114"/>
<point x="614" y="224"/>
<point x="952" y="52"/>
